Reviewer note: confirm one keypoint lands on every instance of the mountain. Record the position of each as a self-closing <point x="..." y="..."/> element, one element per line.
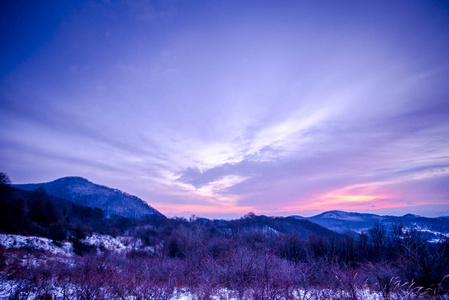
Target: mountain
<point x="341" y="221"/>
<point x="275" y="225"/>
<point x="83" y="192"/>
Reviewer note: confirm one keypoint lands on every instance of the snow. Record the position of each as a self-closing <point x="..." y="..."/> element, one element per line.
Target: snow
<point x="116" y="244"/>
<point x="439" y="236"/>
<point x="37" y="243"/>
<point x="126" y="243"/>
<point x="102" y="242"/>
<point x="268" y="230"/>
<point x="425" y="229"/>
<point x="8" y="287"/>
<point x="341" y="216"/>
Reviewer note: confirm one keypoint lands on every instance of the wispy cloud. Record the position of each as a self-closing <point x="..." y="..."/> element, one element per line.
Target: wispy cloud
<point x="233" y="106"/>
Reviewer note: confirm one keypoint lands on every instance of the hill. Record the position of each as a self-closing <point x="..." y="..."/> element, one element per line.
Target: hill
<point x="341" y="221"/>
<point x="83" y="192"/>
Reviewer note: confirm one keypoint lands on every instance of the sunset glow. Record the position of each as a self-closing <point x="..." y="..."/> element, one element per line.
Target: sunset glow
<point x="219" y="108"/>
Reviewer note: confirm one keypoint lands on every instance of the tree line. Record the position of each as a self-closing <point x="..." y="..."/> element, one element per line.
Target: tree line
<point x="255" y="257"/>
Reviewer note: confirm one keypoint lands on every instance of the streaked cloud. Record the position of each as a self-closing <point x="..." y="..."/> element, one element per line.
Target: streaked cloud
<point x="226" y="107"/>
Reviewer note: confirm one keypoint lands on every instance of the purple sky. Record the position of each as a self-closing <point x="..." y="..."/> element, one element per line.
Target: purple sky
<point x="218" y="108"/>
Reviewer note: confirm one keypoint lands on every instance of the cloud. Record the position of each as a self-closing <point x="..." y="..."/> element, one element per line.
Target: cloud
<point x="212" y="107"/>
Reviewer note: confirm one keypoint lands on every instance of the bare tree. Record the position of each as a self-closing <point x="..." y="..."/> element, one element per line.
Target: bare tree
<point x="378" y="236"/>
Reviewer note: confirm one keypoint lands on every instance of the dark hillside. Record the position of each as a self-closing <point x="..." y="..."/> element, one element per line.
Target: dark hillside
<point x="83" y="192"/>
<point x="40" y="214"/>
<point x="281" y="225"/>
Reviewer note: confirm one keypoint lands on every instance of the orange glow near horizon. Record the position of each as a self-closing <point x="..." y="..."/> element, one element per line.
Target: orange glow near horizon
<point x="329" y="201"/>
<point x="350" y="198"/>
<point x="201" y="209"/>
<point x="368" y="196"/>
<point x="353" y="197"/>
<point x="365" y="198"/>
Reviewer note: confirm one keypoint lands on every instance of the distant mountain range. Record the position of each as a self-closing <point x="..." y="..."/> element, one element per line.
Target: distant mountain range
<point x="342" y="222"/>
<point x="115" y="202"/>
<point x="271" y="226"/>
<point x="83" y="192"/>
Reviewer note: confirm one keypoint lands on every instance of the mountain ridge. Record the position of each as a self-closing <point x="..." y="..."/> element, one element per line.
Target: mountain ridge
<point x="84" y="192"/>
<point x="343" y="222"/>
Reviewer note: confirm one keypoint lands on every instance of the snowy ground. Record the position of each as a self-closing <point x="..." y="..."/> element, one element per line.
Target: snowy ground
<point x="438" y="236"/>
<point x="35" y="243"/>
<point x="7" y="289"/>
<point x="116" y="244"/>
<point x="64" y="251"/>
<point x="102" y="242"/>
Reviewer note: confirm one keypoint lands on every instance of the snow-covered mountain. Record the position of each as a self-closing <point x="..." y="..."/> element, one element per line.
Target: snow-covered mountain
<point x="341" y="221"/>
<point x="81" y="191"/>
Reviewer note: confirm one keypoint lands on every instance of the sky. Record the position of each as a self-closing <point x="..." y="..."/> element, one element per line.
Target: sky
<point x="219" y="108"/>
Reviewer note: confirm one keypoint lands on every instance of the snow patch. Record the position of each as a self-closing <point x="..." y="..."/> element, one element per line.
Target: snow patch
<point x="115" y="244"/>
<point x="36" y="243"/>
<point x="102" y="242"/>
<point x="341" y="216"/>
